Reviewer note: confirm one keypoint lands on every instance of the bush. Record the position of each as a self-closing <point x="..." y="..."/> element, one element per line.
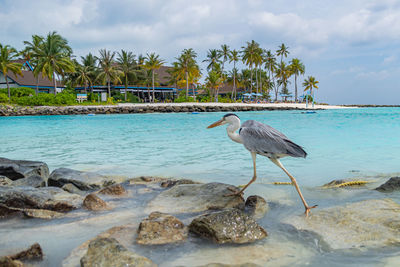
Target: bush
<point x="18" y="92"/>
<point x="3" y="98"/>
<point x="133" y="98"/>
<point x="44" y="99"/>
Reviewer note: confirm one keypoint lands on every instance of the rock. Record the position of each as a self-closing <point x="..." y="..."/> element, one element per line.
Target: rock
<point x="160" y="228"/>
<point x="7" y="262"/>
<point x="345" y="183"/>
<point x="113" y="190"/>
<point x="195" y="198"/>
<point x="33" y="253"/>
<point x="172" y="182"/>
<point x="70" y="188"/>
<point x="392" y="185"/>
<point x="46" y="198"/>
<point x="256" y="206"/>
<point x="247" y="264"/>
<point x="34" y="181"/>
<point x="368" y="223"/>
<point x="17" y="169"/>
<point x="108" y="252"/>
<point x="93" y="202"/>
<point x="30" y="213"/>
<point x="227" y="226"/>
<point x="4" y="181"/>
<point x="82" y="180"/>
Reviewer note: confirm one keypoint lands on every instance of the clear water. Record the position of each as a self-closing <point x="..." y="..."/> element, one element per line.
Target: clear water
<point x="340" y="144"/>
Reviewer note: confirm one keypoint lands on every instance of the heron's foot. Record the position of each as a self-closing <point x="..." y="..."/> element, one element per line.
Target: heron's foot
<point x="308" y="210"/>
<point x="235" y="193"/>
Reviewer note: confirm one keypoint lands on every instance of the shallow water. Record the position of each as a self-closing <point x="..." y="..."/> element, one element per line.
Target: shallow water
<point x="340" y="144"/>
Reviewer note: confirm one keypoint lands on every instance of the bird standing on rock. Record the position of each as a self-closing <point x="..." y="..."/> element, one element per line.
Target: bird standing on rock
<point x="264" y="140"/>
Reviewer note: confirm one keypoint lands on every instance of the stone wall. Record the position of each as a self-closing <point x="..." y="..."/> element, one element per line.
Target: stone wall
<point x="8" y="110"/>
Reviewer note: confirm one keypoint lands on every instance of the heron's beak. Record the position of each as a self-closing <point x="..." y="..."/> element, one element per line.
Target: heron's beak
<point x="215" y="124"/>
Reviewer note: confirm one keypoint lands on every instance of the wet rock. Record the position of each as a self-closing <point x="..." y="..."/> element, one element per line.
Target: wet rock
<point x="108" y="252"/>
<point x="368" y="223"/>
<point x="113" y="190"/>
<point x="30" y="213"/>
<point x="392" y="185"/>
<point x="160" y="228"/>
<point x="247" y="264"/>
<point x="227" y="226"/>
<point x="17" y="169"/>
<point x="70" y="188"/>
<point x="34" y="181"/>
<point x="33" y="253"/>
<point x="93" y="202"/>
<point x="256" y="206"/>
<point x="147" y="180"/>
<point x="46" y="198"/>
<point x="4" y="181"/>
<point x="345" y="183"/>
<point x="7" y="262"/>
<point x="195" y="198"/>
<point x="82" y="180"/>
<point x="172" y="182"/>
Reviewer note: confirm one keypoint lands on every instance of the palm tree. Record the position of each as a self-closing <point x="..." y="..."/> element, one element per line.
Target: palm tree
<point x="83" y="75"/>
<point x="7" y="55"/>
<point x="213" y="58"/>
<point x="213" y="81"/>
<point x="234" y="57"/>
<point x="249" y="58"/>
<point x="187" y="63"/>
<point x="224" y="54"/>
<point x="153" y="62"/>
<point x="108" y="71"/>
<point x="297" y="68"/>
<point x="127" y="65"/>
<point x="282" y="51"/>
<point x="31" y="56"/>
<point x="309" y="84"/>
<point x="54" y="57"/>
<point x="283" y="73"/>
<point x="89" y="62"/>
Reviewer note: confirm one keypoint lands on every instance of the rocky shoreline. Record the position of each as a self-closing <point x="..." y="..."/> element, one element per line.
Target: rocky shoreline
<point x="178" y="213"/>
<point x="13" y="110"/>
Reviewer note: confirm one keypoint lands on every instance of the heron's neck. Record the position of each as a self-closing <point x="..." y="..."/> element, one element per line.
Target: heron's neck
<point x="231" y="130"/>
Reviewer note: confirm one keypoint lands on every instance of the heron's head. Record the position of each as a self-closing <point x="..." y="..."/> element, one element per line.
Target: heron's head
<point x="229" y="118"/>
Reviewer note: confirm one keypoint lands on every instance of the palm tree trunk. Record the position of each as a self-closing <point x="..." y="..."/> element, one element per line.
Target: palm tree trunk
<point x="256" y="81"/>
<point x="251" y="78"/>
<point x="126" y="87"/>
<point x="37" y="85"/>
<point x="152" y="81"/>
<point x="55" y="83"/>
<point x="295" y="88"/>
<point x="194" y="94"/>
<point x="187" y="84"/>
<point x="85" y="87"/>
<point x="234" y="83"/>
<point x="109" y="88"/>
<point x="8" y="88"/>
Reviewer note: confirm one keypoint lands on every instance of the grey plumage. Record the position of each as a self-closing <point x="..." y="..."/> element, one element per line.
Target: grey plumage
<point x="267" y="141"/>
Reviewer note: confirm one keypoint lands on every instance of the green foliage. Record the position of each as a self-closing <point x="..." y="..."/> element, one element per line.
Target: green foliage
<point x="182" y="98"/>
<point x="44" y="99"/>
<point x="3" y="98"/>
<point x="19" y="91"/>
<point x="133" y="98"/>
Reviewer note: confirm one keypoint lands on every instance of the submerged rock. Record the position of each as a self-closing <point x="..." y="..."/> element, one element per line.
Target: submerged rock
<point x="256" y="206"/>
<point x="196" y="198"/>
<point x="4" y="181"/>
<point x="113" y="190"/>
<point x="368" y="223"/>
<point x="392" y="185"/>
<point x="7" y="262"/>
<point x="227" y="226"/>
<point x="30" y="213"/>
<point x="344" y="183"/>
<point x="108" y="252"/>
<point x="247" y="264"/>
<point x="173" y="182"/>
<point x="17" y="169"/>
<point x="46" y="198"/>
<point x="35" y="252"/>
<point x="160" y="228"/>
<point x="93" y="202"/>
<point x="34" y="181"/>
<point x="70" y="188"/>
<point x="82" y="180"/>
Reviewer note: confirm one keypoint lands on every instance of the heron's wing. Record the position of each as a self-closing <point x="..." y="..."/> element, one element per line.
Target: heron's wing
<point x="264" y="139"/>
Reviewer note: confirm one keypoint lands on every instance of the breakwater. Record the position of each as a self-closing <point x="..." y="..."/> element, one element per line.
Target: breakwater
<point x="12" y="110"/>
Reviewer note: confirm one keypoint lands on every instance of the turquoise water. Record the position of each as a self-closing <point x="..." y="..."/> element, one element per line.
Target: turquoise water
<point x="340" y="144"/>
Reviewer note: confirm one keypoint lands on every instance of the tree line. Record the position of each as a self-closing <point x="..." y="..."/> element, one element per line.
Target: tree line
<point x="266" y="72"/>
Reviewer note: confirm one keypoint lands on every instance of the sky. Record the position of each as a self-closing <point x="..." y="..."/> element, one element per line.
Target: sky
<point x="352" y="47"/>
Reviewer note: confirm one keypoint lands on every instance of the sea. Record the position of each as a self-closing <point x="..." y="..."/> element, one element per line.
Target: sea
<point x="350" y="143"/>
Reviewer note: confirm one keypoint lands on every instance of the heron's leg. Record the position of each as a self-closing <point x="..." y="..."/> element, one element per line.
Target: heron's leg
<point x="279" y="164"/>
<point x="253" y="155"/>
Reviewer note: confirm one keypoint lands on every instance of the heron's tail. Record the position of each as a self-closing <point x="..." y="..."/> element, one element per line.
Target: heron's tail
<point x="295" y="150"/>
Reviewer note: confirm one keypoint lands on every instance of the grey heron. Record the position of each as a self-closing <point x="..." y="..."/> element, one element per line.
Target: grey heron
<point x="264" y="140"/>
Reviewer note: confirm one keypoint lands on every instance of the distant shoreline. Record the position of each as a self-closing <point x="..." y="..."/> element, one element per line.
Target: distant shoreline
<point x="8" y="110"/>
